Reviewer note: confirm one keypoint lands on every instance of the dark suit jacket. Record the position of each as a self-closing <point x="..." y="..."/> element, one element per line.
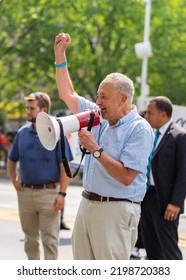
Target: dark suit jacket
<point x="169" y="168"/>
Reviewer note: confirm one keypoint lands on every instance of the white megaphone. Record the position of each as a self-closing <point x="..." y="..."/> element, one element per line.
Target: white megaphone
<point x="48" y="128"/>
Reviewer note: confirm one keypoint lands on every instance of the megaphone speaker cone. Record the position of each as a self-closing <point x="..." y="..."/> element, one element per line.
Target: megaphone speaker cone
<point x="47" y="130"/>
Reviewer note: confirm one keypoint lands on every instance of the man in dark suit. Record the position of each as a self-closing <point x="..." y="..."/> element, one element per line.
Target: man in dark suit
<point x="164" y="199"/>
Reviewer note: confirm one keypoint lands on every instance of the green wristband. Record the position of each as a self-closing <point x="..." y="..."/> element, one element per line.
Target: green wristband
<point x="63" y="64"/>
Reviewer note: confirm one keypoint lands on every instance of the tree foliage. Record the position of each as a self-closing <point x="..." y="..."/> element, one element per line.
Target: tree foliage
<point x="103" y="34"/>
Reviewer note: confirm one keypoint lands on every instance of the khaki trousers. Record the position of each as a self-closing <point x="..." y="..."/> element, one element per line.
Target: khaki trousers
<point x="38" y="219"/>
<point x="105" y="230"/>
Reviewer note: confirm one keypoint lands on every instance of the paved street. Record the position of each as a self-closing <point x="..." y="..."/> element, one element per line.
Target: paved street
<point x="11" y="235"/>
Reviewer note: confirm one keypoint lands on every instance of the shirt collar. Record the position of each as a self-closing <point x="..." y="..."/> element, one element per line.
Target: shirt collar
<point x="127" y="117"/>
<point x="164" y="128"/>
<point x="31" y="128"/>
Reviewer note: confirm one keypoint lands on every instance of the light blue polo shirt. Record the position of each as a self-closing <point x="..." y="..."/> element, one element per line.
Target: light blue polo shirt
<point x="36" y="164"/>
<point x="129" y="141"/>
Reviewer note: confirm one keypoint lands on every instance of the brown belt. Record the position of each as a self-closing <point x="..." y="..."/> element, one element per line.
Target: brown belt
<point x="41" y="186"/>
<point x="96" y="197"/>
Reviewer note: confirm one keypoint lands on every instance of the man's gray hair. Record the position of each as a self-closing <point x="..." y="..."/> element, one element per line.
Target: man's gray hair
<point x="123" y="84"/>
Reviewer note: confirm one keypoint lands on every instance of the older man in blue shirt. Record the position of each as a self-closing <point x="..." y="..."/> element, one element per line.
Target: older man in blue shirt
<point x="114" y="176"/>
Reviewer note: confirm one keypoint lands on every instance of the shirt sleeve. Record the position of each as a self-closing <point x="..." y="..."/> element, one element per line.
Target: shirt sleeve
<point x="84" y="104"/>
<point x="14" y="150"/>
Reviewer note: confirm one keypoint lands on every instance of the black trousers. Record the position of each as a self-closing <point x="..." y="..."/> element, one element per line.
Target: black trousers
<point x="139" y="243"/>
<point x="160" y="236"/>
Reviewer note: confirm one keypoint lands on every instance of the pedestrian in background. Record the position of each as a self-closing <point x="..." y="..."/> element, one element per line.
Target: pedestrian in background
<point x="41" y="184"/>
<point x="5" y="145"/>
<point x="166" y="183"/>
<point x="115" y="170"/>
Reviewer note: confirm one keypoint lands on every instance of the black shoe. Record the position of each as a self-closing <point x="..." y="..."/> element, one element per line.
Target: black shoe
<point x="63" y="226"/>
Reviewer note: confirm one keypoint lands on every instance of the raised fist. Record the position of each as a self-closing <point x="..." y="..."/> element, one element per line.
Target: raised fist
<point x="62" y="41"/>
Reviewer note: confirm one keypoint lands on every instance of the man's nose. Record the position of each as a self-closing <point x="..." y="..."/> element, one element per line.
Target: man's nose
<point x="98" y="101"/>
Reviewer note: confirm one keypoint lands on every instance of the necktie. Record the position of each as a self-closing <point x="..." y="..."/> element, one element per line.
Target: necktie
<point x="157" y="134"/>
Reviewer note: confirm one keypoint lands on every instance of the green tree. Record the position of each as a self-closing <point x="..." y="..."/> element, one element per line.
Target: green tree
<point x="103" y="34"/>
<point x="168" y="38"/>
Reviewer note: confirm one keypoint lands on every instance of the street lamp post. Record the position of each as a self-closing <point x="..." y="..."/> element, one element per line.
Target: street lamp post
<point x="143" y="51"/>
<point x="144" y="86"/>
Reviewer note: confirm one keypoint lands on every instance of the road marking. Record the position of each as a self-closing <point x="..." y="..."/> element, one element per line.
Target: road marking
<point x="8" y="214"/>
<point x="182" y="240"/>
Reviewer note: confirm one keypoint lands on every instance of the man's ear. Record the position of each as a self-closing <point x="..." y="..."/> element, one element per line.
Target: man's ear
<point x="164" y="114"/>
<point x="124" y="97"/>
<point x="45" y="109"/>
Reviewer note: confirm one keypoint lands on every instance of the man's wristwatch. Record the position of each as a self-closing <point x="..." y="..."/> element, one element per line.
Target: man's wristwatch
<point x="97" y="153"/>
<point x="62" y="194"/>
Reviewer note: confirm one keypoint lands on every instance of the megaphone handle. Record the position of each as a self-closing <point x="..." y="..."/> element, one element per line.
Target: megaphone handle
<point x="83" y="150"/>
<point x="91" y="121"/>
<point x="64" y="159"/>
